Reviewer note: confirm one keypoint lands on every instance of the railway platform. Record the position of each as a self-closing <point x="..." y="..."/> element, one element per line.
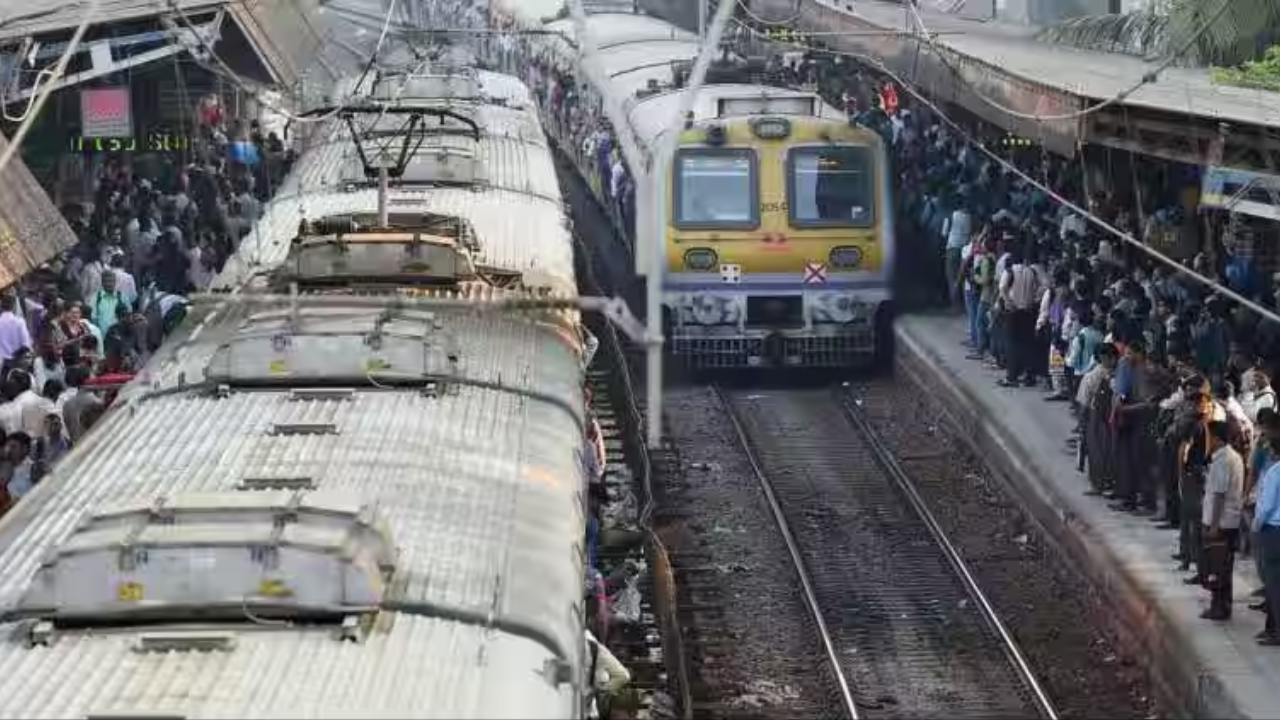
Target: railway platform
<point x="1210" y="669"/>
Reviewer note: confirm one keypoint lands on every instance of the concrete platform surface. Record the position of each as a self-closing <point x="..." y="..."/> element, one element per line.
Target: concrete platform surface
<point x="1211" y="669"/>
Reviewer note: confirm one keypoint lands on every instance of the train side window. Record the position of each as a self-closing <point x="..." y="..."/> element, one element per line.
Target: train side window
<point x="831" y="186"/>
<point x="716" y="188"/>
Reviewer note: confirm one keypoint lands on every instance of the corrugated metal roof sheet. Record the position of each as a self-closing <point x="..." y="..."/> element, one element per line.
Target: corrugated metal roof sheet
<point x="32" y="230"/>
<point x="480" y="489"/>
<point x="283" y="32"/>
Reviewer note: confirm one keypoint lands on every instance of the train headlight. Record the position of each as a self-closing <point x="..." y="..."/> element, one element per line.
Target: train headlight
<point x="771" y="128"/>
<point x="836" y="308"/>
<point x="711" y="309"/>
<point x="845" y="258"/>
<point x="701" y="259"/>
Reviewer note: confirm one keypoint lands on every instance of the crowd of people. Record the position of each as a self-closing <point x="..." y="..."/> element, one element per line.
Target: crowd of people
<point x="1170" y="379"/>
<point x="80" y="326"/>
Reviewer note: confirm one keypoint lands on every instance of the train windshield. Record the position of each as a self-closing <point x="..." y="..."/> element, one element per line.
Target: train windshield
<point x="831" y="187"/>
<point x="716" y="188"/>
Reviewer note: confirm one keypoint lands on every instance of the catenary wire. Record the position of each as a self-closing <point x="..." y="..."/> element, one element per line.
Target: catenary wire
<point x="1178" y="267"/>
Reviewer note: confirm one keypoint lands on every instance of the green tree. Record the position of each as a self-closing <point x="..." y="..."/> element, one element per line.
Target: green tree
<point x="1262" y="74"/>
<point x="1224" y="36"/>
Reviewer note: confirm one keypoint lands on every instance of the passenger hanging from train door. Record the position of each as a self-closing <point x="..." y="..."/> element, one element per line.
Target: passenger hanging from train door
<point x="875" y="118"/>
<point x="889" y="98"/>
<point x="608" y="676"/>
<point x="590" y="345"/>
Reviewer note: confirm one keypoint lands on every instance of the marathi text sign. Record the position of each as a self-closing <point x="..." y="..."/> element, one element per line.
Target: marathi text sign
<point x="106" y="113"/>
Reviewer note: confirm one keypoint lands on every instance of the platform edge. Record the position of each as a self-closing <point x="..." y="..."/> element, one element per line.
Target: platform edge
<point x="1184" y="685"/>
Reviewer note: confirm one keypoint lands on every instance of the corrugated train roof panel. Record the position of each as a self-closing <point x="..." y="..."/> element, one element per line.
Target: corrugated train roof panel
<point x="480" y="489"/>
<point x="412" y="667"/>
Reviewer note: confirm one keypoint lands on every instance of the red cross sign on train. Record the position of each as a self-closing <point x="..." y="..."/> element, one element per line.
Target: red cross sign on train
<point x="815" y="273"/>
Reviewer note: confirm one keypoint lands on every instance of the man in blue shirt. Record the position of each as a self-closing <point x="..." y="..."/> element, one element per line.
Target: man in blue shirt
<point x="1266" y="523"/>
<point x="1268" y="424"/>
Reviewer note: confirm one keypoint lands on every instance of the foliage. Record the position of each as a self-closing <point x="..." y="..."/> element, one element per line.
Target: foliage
<point x="1261" y="74"/>
<point x="1205" y="32"/>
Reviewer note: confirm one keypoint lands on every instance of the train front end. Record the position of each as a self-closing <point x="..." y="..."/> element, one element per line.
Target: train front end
<point x="779" y="241"/>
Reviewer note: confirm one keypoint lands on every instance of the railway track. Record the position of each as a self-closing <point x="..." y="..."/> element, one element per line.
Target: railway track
<point x="902" y="627"/>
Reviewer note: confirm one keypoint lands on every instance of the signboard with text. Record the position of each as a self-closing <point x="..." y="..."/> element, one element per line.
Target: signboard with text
<point x="106" y="112"/>
<point x="155" y="142"/>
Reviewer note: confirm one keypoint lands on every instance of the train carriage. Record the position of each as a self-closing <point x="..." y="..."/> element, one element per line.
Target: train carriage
<point x="778" y="212"/>
<point x="346" y="491"/>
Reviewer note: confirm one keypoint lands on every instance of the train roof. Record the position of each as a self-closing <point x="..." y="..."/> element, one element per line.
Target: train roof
<point x="652" y="116"/>
<point x="638" y="51"/>
<point x="515" y="208"/>
<point x="470" y="479"/>
<point x="611" y="29"/>
<point x="478" y="487"/>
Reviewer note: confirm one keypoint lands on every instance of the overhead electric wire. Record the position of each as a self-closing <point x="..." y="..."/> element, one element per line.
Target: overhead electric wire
<point x="1178" y="267"/>
<point x="33" y="111"/>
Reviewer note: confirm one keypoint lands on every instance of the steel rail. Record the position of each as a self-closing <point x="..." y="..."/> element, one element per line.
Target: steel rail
<point x="884" y="457"/>
<point x="797" y="560"/>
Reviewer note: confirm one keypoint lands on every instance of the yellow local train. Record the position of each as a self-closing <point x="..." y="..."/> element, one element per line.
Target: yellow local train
<point x="778" y="211"/>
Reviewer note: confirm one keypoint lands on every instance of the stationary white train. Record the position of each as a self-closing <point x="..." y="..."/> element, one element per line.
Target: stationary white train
<point x="343" y="491"/>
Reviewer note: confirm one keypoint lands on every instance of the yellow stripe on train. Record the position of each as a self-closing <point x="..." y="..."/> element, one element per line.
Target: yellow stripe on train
<point x="774" y="194"/>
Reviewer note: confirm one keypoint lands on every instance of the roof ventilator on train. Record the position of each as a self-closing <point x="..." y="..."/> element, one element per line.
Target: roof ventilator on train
<point x="319" y="347"/>
<point x="251" y="556"/>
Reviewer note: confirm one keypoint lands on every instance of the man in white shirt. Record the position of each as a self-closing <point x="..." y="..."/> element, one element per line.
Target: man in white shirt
<point x="1223" y="508"/>
<point x="956" y="229"/>
<point x="608" y="675"/>
<point x="1020" y="294"/>
<point x="21" y="478"/>
<point x="12" y="412"/>
<point x="14" y="333"/>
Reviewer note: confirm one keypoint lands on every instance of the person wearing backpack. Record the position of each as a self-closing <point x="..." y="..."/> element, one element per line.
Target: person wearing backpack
<point x="982" y="277"/>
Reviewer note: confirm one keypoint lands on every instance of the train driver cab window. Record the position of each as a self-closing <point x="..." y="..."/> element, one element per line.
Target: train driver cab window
<point x="716" y="188"/>
<point x="831" y="186"/>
